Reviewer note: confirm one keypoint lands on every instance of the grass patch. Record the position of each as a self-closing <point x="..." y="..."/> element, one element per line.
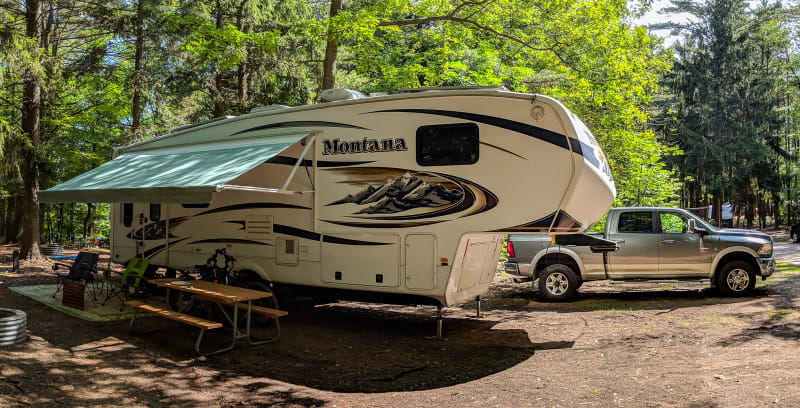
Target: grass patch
<point x="781" y="314"/>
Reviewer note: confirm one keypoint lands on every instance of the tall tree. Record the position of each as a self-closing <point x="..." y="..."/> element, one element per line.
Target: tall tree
<point x="31" y="126"/>
<point x="136" y="98"/>
<point x="726" y="85"/>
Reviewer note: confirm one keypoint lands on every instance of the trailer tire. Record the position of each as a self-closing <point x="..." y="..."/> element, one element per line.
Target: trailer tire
<point x="557" y="283"/>
<point x="736" y="278"/>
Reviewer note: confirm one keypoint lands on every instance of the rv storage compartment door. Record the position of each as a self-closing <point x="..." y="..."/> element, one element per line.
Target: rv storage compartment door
<point x="420" y="261"/>
<point x="478" y="265"/>
<point x="361" y="259"/>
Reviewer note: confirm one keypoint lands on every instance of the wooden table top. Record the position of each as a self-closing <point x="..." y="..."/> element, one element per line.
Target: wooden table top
<point x="224" y="293"/>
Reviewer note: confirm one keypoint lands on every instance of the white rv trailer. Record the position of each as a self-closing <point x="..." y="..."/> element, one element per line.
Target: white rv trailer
<point x="406" y="197"/>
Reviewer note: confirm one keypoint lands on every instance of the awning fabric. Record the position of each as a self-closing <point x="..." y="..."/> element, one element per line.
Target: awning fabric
<point x="167" y="175"/>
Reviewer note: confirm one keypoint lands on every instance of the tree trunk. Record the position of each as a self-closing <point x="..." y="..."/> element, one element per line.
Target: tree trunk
<point x="87" y="219"/>
<point x="717" y="210"/>
<point x="331" y="50"/>
<point x="748" y="214"/>
<point x="219" y="100"/>
<point x="11" y="222"/>
<point x="136" y="109"/>
<point x="242" y="72"/>
<point x="31" y="122"/>
<point x="216" y="92"/>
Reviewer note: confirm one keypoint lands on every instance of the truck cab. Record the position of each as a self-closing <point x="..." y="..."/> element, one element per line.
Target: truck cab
<point x="654" y="243"/>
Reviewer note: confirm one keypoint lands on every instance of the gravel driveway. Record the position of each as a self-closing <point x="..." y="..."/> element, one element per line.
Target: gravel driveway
<point x="641" y="345"/>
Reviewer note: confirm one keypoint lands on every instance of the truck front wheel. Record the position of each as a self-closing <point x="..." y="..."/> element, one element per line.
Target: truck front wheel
<point x="736" y="278"/>
<point x="558" y="283"/>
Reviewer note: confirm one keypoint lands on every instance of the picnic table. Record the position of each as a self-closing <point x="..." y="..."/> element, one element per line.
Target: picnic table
<point x="223" y="296"/>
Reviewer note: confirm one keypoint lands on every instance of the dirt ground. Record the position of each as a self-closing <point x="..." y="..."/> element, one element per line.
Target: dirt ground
<point x="620" y="345"/>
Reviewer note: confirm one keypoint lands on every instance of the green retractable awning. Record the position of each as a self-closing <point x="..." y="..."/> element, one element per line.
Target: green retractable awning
<point x="170" y="175"/>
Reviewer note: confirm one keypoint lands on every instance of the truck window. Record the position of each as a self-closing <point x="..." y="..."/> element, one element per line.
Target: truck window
<point x="673" y="223"/>
<point x="447" y="145"/>
<point x="636" y="221"/>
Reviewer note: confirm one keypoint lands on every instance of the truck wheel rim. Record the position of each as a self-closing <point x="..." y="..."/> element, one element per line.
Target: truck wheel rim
<point x="738" y="280"/>
<point x="557" y="283"/>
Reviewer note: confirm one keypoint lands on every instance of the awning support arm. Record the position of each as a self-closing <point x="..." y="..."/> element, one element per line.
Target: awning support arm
<point x="300" y="159"/>
<point x="223" y="187"/>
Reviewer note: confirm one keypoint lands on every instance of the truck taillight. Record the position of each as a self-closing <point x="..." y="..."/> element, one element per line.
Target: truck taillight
<point x="510" y="247"/>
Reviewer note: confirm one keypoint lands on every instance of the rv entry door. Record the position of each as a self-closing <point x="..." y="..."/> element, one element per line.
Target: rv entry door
<point x="129" y="237"/>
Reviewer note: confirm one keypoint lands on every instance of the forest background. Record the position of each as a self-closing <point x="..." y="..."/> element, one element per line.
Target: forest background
<point x="711" y="118"/>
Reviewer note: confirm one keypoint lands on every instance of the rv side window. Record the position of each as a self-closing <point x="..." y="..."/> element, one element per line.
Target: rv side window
<point x="447" y="145"/>
<point x="155" y="212"/>
<point x="127" y="214"/>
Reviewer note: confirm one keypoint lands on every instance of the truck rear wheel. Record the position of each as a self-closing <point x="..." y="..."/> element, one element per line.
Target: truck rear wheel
<point x="558" y="283"/>
<point x="736" y="278"/>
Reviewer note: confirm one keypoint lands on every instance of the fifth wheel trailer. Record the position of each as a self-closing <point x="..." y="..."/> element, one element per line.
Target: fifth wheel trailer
<point x="403" y="197"/>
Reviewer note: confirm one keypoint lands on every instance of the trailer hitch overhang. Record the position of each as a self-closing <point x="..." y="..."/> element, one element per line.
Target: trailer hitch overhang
<point x="597" y="245"/>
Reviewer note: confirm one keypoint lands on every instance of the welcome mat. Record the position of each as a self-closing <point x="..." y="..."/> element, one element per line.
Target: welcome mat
<point x="99" y="314"/>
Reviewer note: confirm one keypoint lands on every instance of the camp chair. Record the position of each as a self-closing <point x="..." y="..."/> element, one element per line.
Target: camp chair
<point x="83" y="268"/>
<point x="129" y="282"/>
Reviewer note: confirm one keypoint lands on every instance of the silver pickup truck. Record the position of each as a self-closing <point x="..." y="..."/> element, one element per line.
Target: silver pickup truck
<point x="653" y="244"/>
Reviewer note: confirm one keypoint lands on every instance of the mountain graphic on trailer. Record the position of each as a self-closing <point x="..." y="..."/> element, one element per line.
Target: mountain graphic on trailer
<point x="400" y="194"/>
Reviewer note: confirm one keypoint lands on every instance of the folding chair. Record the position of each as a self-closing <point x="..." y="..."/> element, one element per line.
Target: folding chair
<point x="83" y="268"/>
<point x="129" y="281"/>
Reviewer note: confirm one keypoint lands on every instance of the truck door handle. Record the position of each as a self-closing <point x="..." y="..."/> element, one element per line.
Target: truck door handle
<point x="668" y="241"/>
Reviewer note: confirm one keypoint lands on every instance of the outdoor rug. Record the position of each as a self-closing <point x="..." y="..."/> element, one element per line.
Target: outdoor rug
<point x="100" y="314"/>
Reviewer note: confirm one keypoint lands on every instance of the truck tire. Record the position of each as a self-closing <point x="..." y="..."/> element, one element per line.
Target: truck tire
<point x="736" y="278"/>
<point x="558" y="283"/>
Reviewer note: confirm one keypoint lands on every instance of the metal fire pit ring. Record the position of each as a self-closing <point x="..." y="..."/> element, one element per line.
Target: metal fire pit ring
<point x="13" y="324"/>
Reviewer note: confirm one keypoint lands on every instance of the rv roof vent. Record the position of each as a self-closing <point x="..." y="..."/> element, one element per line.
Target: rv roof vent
<point x="500" y="88"/>
<point x="267" y="108"/>
<point x="340" y="94"/>
<point x="205" y="122"/>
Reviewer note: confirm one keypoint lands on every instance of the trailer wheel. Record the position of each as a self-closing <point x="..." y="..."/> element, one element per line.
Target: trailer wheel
<point x="558" y="283"/>
<point x="736" y="278"/>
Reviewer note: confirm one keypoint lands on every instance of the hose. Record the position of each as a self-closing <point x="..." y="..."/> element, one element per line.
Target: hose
<point x="13" y="324"/>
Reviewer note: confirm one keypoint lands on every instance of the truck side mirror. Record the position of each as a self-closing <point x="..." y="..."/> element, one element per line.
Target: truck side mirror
<point x="690" y="226"/>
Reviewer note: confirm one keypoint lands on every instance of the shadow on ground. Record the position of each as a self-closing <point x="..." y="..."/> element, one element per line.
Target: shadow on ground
<point x="349" y="347"/>
<point x="342" y="347"/>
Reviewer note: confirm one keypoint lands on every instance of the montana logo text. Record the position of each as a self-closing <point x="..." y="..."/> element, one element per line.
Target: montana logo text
<point x="336" y="146"/>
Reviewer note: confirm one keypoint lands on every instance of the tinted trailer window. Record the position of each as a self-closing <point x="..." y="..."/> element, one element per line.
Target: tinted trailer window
<point x="447" y="145"/>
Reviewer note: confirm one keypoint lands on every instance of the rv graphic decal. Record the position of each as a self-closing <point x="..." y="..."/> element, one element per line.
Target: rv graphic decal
<point x="157" y="249"/>
<point x="563" y="223"/>
<point x="400" y="195"/>
<point x="336" y="146"/>
<point x="557" y="139"/>
<point x="291" y="161"/>
<point x="300" y="124"/>
<point x="156" y="230"/>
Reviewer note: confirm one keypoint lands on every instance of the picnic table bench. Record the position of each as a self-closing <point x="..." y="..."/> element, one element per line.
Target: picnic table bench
<point x="221" y="295"/>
